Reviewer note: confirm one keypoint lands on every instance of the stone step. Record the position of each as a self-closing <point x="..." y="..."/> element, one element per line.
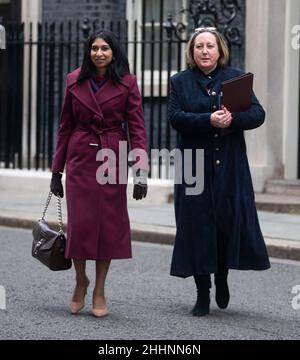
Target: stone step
<point x="283" y="187"/>
<point x="278" y="203"/>
<point x="288" y="204"/>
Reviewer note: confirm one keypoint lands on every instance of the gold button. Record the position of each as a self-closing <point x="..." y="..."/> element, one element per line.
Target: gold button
<point x="214" y="107"/>
<point x="214" y="93"/>
<point x="216" y="135"/>
<point x="217" y="149"/>
<point x="218" y="162"/>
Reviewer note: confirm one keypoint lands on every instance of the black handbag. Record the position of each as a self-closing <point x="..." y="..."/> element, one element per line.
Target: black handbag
<point x="49" y="245"/>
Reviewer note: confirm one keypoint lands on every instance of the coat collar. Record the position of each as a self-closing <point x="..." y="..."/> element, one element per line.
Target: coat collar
<point x="212" y="80"/>
<point x="84" y="93"/>
<point x="108" y="91"/>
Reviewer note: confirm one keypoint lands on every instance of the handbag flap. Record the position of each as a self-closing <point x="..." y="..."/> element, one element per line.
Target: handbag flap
<point x="44" y="234"/>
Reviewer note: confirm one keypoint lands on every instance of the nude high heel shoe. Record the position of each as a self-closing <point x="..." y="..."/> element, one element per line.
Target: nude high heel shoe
<point x="100" y="312"/>
<point x="76" y="306"/>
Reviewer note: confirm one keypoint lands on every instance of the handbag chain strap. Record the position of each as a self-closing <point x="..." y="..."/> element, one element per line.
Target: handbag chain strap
<point x="59" y="212"/>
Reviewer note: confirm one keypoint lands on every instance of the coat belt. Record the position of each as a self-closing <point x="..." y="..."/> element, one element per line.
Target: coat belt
<point x="100" y="132"/>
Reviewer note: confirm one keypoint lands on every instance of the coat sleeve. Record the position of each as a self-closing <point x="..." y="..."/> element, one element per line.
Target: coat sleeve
<point x="64" y="132"/>
<point x="183" y="121"/>
<point x="136" y="122"/>
<point x="249" y="119"/>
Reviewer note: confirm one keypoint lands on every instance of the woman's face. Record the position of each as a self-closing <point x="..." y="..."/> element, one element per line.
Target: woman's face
<point x="206" y="52"/>
<point x="101" y="55"/>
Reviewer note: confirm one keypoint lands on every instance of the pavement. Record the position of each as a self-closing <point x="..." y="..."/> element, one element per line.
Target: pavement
<point x="144" y="302"/>
<point x="23" y="195"/>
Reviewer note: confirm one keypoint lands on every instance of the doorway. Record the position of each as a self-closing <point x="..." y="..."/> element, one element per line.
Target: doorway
<point x="10" y="87"/>
<point x="10" y="11"/>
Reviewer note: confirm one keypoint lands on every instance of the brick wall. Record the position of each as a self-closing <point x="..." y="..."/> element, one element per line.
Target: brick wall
<point x="73" y="10"/>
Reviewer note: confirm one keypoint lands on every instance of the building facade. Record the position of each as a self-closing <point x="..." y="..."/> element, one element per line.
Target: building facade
<point x="272" y="54"/>
<point x="270" y="49"/>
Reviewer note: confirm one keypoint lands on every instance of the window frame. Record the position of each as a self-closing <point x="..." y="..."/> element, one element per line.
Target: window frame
<point x="134" y="11"/>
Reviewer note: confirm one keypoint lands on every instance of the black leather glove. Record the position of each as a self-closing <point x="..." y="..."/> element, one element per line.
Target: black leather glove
<point x="56" y="186"/>
<point x="140" y="187"/>
<point x="140" y="191"/>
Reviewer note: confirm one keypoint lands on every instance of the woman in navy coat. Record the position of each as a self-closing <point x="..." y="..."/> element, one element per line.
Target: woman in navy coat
<point x="218" y="229"/>
<point x="100" y="96"/>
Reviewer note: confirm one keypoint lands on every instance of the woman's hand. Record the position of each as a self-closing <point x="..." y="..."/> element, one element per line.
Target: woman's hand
<point x="56" y="186"/>
<point x="221" y="119"/>
<point x="139" y="191"/>
<point x="140" y="187"/>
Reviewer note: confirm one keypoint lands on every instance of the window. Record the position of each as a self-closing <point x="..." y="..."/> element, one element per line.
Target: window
<point x="153" y="57"/>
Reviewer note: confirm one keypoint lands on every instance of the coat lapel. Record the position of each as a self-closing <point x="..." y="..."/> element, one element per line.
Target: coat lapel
<point x="84" y="93"/>
<point x="204" y="81"/>
<point x="107" y="92"/>
<point x="200" y="79"/>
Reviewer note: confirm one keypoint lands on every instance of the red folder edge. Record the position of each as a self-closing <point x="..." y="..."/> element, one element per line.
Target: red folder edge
<point x="236" y="93"/>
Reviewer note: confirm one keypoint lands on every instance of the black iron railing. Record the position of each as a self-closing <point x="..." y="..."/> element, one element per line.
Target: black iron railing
<point x="35" y="63"/>
<point x="33" y="71"/>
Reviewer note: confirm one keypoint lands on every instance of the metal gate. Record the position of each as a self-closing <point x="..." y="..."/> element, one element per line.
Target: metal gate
<point x="38" y="57"/>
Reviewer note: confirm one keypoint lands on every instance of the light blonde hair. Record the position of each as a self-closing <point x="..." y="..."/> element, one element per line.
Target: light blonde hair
<point x="221" y="42"/>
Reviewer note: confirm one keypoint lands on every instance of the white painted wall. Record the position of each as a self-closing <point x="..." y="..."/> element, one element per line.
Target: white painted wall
<point x="31" y="11"/>
<point x="291" y="89"/>
<point x="272" y="148"/>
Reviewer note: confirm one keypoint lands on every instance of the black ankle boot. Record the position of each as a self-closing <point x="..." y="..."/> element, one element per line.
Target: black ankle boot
<point x="222" y="290"/>
<point x="203" y="284"/>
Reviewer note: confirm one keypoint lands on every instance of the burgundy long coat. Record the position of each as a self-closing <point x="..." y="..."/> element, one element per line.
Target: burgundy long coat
<point x="98" y="222"/>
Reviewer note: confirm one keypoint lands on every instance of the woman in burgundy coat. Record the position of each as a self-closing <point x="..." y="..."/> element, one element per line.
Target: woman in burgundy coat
<point x="99" y="97"/>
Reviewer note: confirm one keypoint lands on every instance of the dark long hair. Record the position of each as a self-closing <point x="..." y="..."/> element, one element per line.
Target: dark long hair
<point x="118" y="67"/>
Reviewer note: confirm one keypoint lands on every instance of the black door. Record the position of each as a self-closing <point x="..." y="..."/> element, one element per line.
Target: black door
<point x="10" y="11"/>
<point x="10" y="85"/>
<point x="299" y="123"/>
<point x="299" y="128"/>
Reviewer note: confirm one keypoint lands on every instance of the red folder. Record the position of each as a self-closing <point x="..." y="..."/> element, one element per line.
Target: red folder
<point x="236" y="93"/>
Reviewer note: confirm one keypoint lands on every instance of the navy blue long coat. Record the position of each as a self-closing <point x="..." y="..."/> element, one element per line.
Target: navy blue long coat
<point x="219" y="227"/>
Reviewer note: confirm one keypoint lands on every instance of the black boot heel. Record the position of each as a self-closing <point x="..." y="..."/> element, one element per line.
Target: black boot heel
<point x="201" y="307"/>
<point x="222" y="291"/>
<point x="203" y="284"/>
